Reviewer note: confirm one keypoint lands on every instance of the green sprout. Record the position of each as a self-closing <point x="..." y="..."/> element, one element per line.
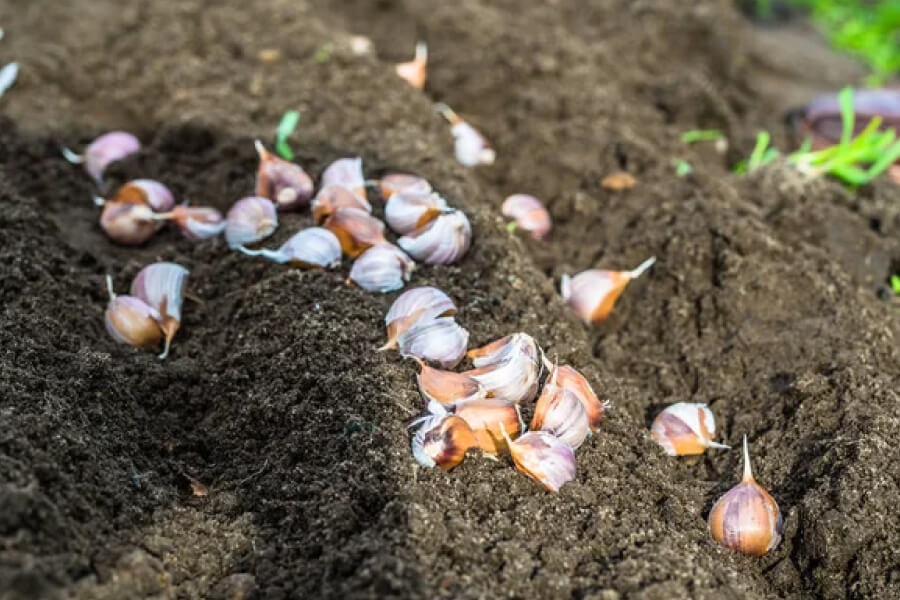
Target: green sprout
<point x="701" y="135"/>
<point x="324" y="52"/>
<point x="285" y="128"/>
<point x="682" y="167"/>
<point x="895" y="284"/>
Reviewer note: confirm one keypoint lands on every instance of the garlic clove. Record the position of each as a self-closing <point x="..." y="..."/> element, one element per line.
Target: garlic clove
<point x="103" y="151"/>
<point x="146" y="191"/>
<point x="331" y="198"/>
<point x="502" y="348"/>
<point x="418" y="303"/>
<point x="128" y="223"/>
<point x="161" y="286"/>
<point x="543" y="457"/>
<point x="528" y="214"/>
<point x="442" y="440"/>
<point x="283" y="182"/>
<point x="747" y="518"/>
<point x="685" y="429"/>
<point x="441" y="340"/>
<point x="593" y="293"/>
<point x="447" y="388"/>
<point x="382" y="268"/>
<point x="250" y="220"/>
<point x="310" y="248"/>
<point x="131" y="321"/>
<point x="414" y="71"/>
<point x="356" y="229"/>
<point x="196" y="222"/>
<point x="443" y="241"/>
<point x="405" y="212"/>
<point x="484" y="417"/>
<point x="402" y="182"/>
<point x="513" y="379"/>
<point x="348" y="174"/>
<point x="560" y="412"/>
<point x="573" y="381"/>
<point x="472" y="148"/>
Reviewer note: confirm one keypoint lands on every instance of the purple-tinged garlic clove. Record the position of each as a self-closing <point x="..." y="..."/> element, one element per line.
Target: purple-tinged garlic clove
<point x="560" y="412"/>
<point x="331" y="198"/>
<point x="415" y="71"/>
<point x="147" y="191"/>
<point x="310" y="248"/>
<point x="529" y="214"/>
<point x="405" y="212"/>
<point x="382" y="268"/>
<point x="570" y="379"/>
<point x="411" y="306"/>
<point x="196" y="222"/>
<point x="472" y="148"/>
<point x="103" y="151"/>
<point x="283" y="182"/>
<point x="442" y="440"/>
<point x="685" y="429"/>
<point x="348" y="174"/>
<point x="502" y="348"/>
<point x="543" y="457"/>
<point x="509" y="368"/>
<point x="447" y="388"/>
<point x="161" y="286"/>
<point x="356" y="229"/>
<point x="593" y="293"/>
<point x="394" y="183"/>
<point x="131" y="321"/>
<point x="441" y="340"/>
<point x="443" y="241"/>
<point x="484" y="417"/>
<point x="250" y="220"/>
<point x="129" y="223"/>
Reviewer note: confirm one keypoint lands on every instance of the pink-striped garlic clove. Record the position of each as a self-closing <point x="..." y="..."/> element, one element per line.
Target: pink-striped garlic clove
<point x="382" y="268"/>
<point x="560" y="412"/>
<point x="394" y="183"/>
<point x="310" y="248"/>
<point x="129" y="223"/>
<point x="103" y="151"/>
<point x="543" y="457"/>
<point x="131" y="321"/>
<point x="161" y="286"/>
<point x="196" y="222"/>
<point x="508" y="368"/>
<point x="331" y="198"/>
<point x="356" y="229"/>
<point x="685" y="429"/>
<point x="485" y="417"/>
<point x="447" y="388"/>
<point x="440" y="340"/>
<point x="147" y="191"/>
<point x="529" y="214"/>
<point x="415" y="71"/>
<point x="472" y="148"/>
<point x="250" y="220"/>
<point x="346" y="173"/>
<point x="442" y="241"/>
<point x="441" y="440"/>
<point x="405" y="212"/>
<point x="411" y="306"/>
<point x="593" y="293"/>
<point x="570" y="379"/>
<point x="283" y="182"/>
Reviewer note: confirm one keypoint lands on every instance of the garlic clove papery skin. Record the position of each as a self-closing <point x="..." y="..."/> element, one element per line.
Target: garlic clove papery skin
<point x="592" y="294"/>
<point x="331" y="198"/>
<point x="107" y="149"/>
<point x="414" y="71"/>
<point x="447" y="388"/>
<point x="442" y="440"/>
<point x="443" y="241"/>
<point x="161" y="286"/>
<point x="283" y="182"/>
<point x="441" y="340"/>
<point x="132" y="321"/>
<point x="405" y="212"/>
<point x="502" y="348"/>
<point x="198" y="222"/>
<point x="147" y="191"/>
<point x="382" y="268"/>
<point x="394" y="183"/>
<point x="356" y="229"/>
<point x="472" y="149"/>
<point x="746" y="518"/>
<point x="346" y="173"/>
<point x="250" y="220"/>
<point x="484" y="417"/>
<point x="129" y="223"/>
<point x="418" y="303"/>
<point x="529" y="214"/>
<point x="685" y="429"/>
<point x="570" y="379"/>
<point x="560" y="412"/>
<point x="310" y="248"/>
<point x="508" y="368"/>
<point x="543" y="457"/>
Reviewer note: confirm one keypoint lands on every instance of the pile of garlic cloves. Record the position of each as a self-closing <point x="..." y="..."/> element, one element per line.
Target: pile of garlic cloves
<point x="480" y="409"/>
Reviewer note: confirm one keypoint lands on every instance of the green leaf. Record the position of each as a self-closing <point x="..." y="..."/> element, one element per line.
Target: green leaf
<point x="845" y="99"/>
<point x="887" y="158"/>
<point x="285" y="128"/>
<point x="762" y="154"/>
<point x="324" y="52"/>
<point x="895" y="283"/>
<point x="682" y="167"/>
<point x="701" y="135"/>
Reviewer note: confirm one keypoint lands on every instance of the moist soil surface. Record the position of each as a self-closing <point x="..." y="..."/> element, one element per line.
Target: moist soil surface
<point x="764" y="304"/>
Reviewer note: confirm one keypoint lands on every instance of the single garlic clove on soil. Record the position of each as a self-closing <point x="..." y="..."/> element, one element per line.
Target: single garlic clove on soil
<point x="412" y="305"/>
<point x="442" y="440"/>
<point x="250" y="220"/>
<point x="283" y="182"/>
<point x="685" y="429"/>
<point x="543" y="457"/>
<point x="593" y="293"/>
<point x="161" y="286"/>
<point x="382" y="268"/>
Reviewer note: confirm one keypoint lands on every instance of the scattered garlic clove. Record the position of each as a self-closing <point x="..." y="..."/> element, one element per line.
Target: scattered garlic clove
<point x="414" y="71"/>
<point x="447" y="388"/>
<point x="128" y="223"/>
<point x="348" y="174"/>
<point x="529" y="214"/>
<point x="502" y="348"/>
<point x="356" y="229"/>
<point x="746" y="518"/>
<point x="443" y="241"/>
<point x="161" y="286"/>
<point x="560" y="412"/>
<point x="418" y="303"/>
<point x="484" y="417"/>
<point x="310" y="248"/>
<point x="543" y="457"/>
<point x="382" y="268"/>
<point x="146" y="191"/>
<point x="441" y="340"/>
<point x="405" y="212"/>
<point x="685" y="429"/>
<point x="593" y="293"/>
<point x="284" y="183"/>
<point x="402" y="182"/>
<point x="196" y="222"/>
<point x="472" y="148"/>
<point x="570" y="379"/>
<point x="512" y="378"/>
<point x="331" y="198"/>
<point x="250" y="220"/>
<point x="132" y="321"/>
<point x="103" y="151"/>
<point x="442" y="440"/>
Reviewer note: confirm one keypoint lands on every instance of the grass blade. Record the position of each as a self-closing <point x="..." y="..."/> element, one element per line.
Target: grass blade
<point x="285" y="128"/>
<point x="845" y="99"/>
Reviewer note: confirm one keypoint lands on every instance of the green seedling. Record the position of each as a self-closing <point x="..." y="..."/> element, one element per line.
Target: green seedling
<point x="701" y="135"/>
<point x="285" y="128"/>
<point x="324" y="52"/>
<point x="682" y="167"/>
<point x="895" y="284"/>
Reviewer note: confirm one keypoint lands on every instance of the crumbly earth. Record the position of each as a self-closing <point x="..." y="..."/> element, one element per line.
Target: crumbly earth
<point x="763" y="303"/>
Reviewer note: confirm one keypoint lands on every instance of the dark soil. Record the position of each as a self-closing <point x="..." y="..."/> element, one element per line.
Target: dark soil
<point x="764" y="304"/>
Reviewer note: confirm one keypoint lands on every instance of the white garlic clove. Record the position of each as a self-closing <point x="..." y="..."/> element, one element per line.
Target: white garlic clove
<point x="331" y="198"/>
<point x="484" y="417"/>
<point x="356" y="229"/>
<point x="685" y="429"/>
<point x="441" y="340"/>
<point x="442" y="440"/>
<point x="250" y="220"/>
<point x="161" y="286"/>
<point x="447" y="388"/>
<point x="502" y="348"/>
<point x="197" y="222"/>
<point x="418" y="303"/>
<point x="310" y="248"/>
<point x="128" y="223"/>
<point x="346" y="173"/>
<point x="414" y="71"/>
<point x="593" y="293"/>
<point x="529" y="214"/>
<point x="283" y="182"/>
<point x="405" y="212"/>
<point x="103" y="151"/>
<point x="132" y="321"/>
<point x="575" y="382"/>
<point x="8" y="75"/>
<point x="443" y="241"/>
<point x="382" y="268"/>
<point x="543" y="457"/>
<point x="560" y="412"/>
<point x="402" y="182"/>
<point x="747" y="518"/>
<point x="508" y="368"/>
<point x="472" y="148"/>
